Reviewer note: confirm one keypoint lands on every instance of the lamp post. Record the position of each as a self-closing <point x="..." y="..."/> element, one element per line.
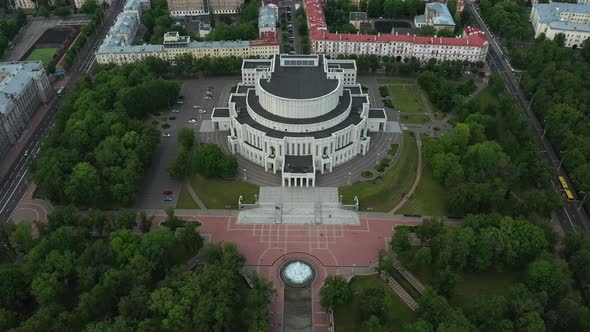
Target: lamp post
<point x="561" y="162"/>
<point x="349" y="174"/>
<point x="378" y="158"/>
<point x="583" y="199"/>
<point x="245" y="174"/>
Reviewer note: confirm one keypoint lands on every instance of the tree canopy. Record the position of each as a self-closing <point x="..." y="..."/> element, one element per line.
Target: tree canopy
<point x="97" y="152"/>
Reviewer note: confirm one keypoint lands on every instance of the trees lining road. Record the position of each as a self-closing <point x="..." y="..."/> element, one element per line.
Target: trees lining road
<point x="570" y="218"/>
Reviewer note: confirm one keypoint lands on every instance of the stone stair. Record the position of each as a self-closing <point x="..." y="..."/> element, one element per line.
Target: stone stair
<point x="409" y="276"/>
<point x="399" y="290"/>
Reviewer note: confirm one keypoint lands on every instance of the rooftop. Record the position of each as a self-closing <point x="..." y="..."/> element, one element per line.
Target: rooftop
<point x="443" y="16"/>
<point x="318" y="28"/>
<point x="298" y="164"/>
<point x="377" y="113"/>
<point x="14" y="77"/>
<point x="125" y="24"/>
<point x="550" y="12"/>
<point x="266" y="17"/>
<point x="299" y="82"/>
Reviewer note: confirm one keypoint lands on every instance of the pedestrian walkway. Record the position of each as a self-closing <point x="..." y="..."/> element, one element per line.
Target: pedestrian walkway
<point x="395" y="286"/>
<point x="409" y="276"/>
<point x="196" y="198"/>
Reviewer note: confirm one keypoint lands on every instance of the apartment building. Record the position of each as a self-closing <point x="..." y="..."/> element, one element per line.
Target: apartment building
<point x="183" y="8"/>
<point x="23" y="87"/>
<point x="571" y="20"/>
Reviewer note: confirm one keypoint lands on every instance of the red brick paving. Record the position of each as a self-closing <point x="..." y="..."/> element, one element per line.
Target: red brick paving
<point x="326" y="247"/>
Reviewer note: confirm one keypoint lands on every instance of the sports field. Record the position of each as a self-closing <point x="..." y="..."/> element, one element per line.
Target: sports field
<point x="43" y="54"/>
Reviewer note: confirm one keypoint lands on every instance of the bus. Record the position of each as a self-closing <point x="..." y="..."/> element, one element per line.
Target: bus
<point x="568" y="195"/>
<point x="61" y="91"/>
<point x="563" y="182"/>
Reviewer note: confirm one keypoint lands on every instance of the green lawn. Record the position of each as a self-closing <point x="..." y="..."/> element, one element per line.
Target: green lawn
<point x="217" y="193"/>
<point x="348" y="318"/>
<point x="43" y="54"/>
<point x="385" y="192"/>
<point x="472" y="285"/>
<point x="185" y="200"/>
<point x="415" y="118"/>
<point x="396" y="81"/>
<point x="429" y="199"/>
<point x="407" y="98"/>
<point x="393" y="149"/>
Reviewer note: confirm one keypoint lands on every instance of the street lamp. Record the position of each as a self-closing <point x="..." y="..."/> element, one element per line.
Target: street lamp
<point x="561" y="162"/>
<point x="583" y="199"/>
<point x="378" y="157"/>
<point x="245" y="174"/>
<point x="349" y="174"/>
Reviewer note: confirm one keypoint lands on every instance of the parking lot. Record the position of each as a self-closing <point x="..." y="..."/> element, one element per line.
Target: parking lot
<point x="157" y="180"/>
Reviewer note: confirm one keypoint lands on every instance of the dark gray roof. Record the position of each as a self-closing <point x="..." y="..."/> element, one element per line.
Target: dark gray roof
<point x="355" y="90"/>
<point x="377" y="113"/>
<point x="299" y="56"/>
<point x="243" y="88"/>
<point x="220" y="113"/>
<point x="298" y="164"/>
<point x="345" y="65"/>
<point x="244" y="118"/>
<point x="341" y="107"/>
<point x="255" y="64"/>
<point x="299" y="82"/>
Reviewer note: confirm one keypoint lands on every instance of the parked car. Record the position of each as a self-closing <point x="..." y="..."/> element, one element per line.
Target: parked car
<point x="168" y="199"/>
<point x="180" y="101"/>
<point x="175" y="111"/>
<point x="196" y="107"/>
<point x="167" y="193"/>
<point x="166" y="134"/>
<point x="208" y="97"/>
<point x="202" y="111"/>
<point x="192" y="121"/>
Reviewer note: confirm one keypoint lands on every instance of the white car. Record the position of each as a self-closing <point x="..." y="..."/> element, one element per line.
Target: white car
<point x="202" y="111"/>
<point x="208" y="97"/>
<point x="175" y="111"/>
<point x="166" y="134"/>
<point x="192" y="121"/>
<point x="196" y="107"/>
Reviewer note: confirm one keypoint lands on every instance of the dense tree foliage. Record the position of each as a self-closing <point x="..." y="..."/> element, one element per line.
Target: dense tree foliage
<point x="507" y="19"/>
<point x="210" y="161"/>
<point x="544" y="300"/>
<point x="337" y="16"/>
<point x="395" y="8"/>
<point x="186" y="65"/>
<point x="488" y="157"/>
<point x="335" y="291"/>
<point x="100" y="146"/>
<point x="9" y="28"/>
<point x="93" y="273"/>
<point x="301" y="23"/>
<point x="556" y="79"/>
<point x="247" y="29"/>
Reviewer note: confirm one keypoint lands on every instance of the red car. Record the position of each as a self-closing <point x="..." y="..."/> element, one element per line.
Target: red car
<point x="167" y="193"/>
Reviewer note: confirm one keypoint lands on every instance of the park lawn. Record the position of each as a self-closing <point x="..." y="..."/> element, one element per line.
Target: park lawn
<point x="397" y="314"/>
<point x="393" y="149"/>
<point x="415" y="118"/>
<point x="396" y="81"/>
<point x="385" y="192"/>
<point x="42" y="54"/>
<point x="217" y="193"/>
<point x="472" y="285"/>
<point x="429" y="199"/>
<point x="407" y="99"/>
<point x="185" y="200"/>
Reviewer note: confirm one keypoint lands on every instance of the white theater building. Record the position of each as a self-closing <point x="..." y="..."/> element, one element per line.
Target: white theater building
<point x="299" y="115"/>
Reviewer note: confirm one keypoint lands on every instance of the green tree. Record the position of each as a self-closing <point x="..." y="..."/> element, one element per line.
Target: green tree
<point x="372" y="302"/>
<point x="89" y="6"/>
<point x="83" y="186"/>
<point x="186" y="137"/>
<point x="43" y="11"/>
<point x="145" y="222"/>
<point x="548" y="275"/>
<point x="335" y="291"/>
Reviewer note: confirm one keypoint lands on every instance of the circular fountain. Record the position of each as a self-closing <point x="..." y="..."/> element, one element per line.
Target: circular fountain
<point x="297" y="273"/>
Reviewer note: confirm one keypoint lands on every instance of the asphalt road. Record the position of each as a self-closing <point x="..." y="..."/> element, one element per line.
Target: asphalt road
<point x="16" y="183"/>
<point x="570" y="218"/>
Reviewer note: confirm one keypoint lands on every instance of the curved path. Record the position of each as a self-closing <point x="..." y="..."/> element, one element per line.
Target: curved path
<point x="408" y="195"/>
